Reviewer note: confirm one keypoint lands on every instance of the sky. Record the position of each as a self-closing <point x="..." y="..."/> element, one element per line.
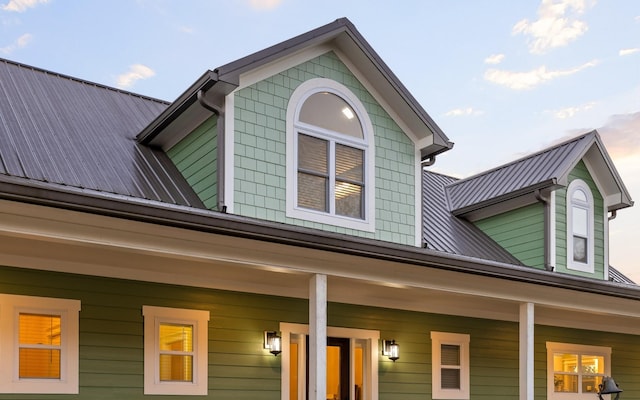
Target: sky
<point x="502" y="78"/>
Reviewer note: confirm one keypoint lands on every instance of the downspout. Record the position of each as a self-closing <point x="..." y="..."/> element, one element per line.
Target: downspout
<point x="424" y="163"/>
<point x="546" y="217"/>
<point x="613" y="215"/>
<point x="219" y="112"/>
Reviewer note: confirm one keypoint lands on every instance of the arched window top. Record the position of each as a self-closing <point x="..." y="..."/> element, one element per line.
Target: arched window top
<point x="579" y="195"/>
<point x="580" y="227"/>
<point x="327" y="110"/>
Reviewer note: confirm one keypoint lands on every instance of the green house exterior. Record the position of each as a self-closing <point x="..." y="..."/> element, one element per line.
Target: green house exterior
<point x="188" y="268"/>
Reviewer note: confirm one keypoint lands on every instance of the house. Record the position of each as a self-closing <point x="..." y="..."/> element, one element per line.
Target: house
<point x="275" y="233"/>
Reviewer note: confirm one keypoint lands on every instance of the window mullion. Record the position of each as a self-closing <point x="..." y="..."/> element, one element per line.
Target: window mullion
<point x="331" y="192"/>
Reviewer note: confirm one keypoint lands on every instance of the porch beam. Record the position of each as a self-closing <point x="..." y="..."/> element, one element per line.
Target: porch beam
<point x="526" y="341"/>
<point x="318" y="337"/>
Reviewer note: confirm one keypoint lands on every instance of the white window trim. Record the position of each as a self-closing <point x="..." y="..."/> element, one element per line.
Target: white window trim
<point x="578" y="184"/>
<point x="459" y="339"/>
<point x="153" y="317"/>
<point x="555" y="347"/>
<point x="298" y="97"/>
<point x="10" y="308"/>
<point x="370" y="373"/>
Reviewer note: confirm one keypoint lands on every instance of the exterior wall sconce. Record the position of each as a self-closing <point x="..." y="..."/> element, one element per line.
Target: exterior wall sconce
<point x="273" y="342"/>
<point x="391" y="349"/>
<point x="608" y="386"/>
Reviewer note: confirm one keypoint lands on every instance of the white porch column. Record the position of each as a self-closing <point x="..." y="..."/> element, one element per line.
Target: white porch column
<point x="318" y="337"/>
<point x="526" y="350"/>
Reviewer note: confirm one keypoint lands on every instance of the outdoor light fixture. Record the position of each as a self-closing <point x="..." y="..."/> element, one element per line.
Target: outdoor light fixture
<point x="391" y="349"/>
<point x="608" y="386"/>
<point x="272" y="342"/>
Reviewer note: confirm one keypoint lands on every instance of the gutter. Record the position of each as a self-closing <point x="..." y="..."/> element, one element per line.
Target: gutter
<point x="125" y="207"/>
<point x="546" y="215"/>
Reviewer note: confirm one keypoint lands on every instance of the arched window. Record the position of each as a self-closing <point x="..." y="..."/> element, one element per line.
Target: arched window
<point x="580" y="232"/>
<point x="329" y="156"/>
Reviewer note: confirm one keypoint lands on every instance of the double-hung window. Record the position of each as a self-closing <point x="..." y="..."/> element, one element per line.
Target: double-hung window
<point x="175" y="351"/>
<point x="330" y="168"/>
<point x="575" y="371"/>
<point x="580" y="229"/>
<point x="38" y="345"/>
<point x="450" y="365"/>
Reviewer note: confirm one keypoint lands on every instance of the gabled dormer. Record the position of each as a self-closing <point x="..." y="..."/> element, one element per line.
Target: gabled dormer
<point x="316" y="131"/>
<point x="550" y="209"/>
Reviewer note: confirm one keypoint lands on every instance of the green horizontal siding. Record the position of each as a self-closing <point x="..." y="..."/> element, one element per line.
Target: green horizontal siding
<point x="111" y="340"/>
<point x="520" y="232"/>
<point x="195" y="157"/>
<point x="580" y="172"/>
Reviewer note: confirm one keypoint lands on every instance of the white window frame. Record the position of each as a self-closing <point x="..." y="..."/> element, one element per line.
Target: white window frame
<point x="11" y="306"/>
<point x="578" y="184"/>
<point x="299" y="96"/>
<point x="199" y="319"/>
<point x="457" y="339"/>
<point x="570" y="348"/>
<point x="367" y="339"/>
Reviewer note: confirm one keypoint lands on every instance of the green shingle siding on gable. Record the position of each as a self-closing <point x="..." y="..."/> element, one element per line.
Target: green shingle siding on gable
<point x="195" y="157"/>
<point x="580" y="172"/>
<point x="520" y="232"/>
<point x="260" y="153"/>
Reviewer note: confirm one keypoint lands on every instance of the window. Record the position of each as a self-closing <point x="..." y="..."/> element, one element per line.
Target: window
<point x="351" y="367"/>
<point x="450" y="365"/>
<point x="175" y="351"/>
<point x="575" y="371"/>
<point x="330" y="165"/>
<point x="580" y="236"/>
<point x="38" y="345"/>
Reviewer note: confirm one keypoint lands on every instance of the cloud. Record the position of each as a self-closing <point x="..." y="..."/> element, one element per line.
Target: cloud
<point x="260" y="5"/>
<point x="21" y="42"/>
<point x="620" y="135"/>
<point x="556" y="25"/>
<point x="529" y="80"/>
<point x="494" y="59"/>
<point x="569" y="112"/>
<point x="22" y="5"/>
<point x="626" y="52"/>
<point x="463" y="112"/>
<point x="135" y="73"/>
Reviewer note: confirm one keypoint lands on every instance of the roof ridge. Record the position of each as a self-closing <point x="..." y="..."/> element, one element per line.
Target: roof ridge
<point x="82" y="81"/>
<point x="526" y="157"/>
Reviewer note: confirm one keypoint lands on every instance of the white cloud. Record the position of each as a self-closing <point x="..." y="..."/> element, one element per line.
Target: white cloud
<point x="135" y="73"/>
<point x="569" y="112"/>
<point x="264" y="4"/>
<point x="626" y="52"/>
<point x="556" y="25"/>
<point x="620" y="135"/>
<point x="462" y="112"/>
<point x="494" y="59"/>
<point x="530" y="79"/>
<point x="21" y="42"/>
<point x="22" y="5"/>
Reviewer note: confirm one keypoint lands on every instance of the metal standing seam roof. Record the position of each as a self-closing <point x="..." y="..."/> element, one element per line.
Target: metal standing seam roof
<point x="444" y="232"/>
<point x="65" y="131"/>
<point x="536" y="171"/>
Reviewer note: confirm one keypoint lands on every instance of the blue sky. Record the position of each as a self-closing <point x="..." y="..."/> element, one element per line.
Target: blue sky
<point x="502" y="78"/>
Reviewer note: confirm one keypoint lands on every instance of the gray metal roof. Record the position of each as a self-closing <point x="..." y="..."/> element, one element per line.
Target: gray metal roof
<point x="619" y="277"/>
<point x="443" y="231"/>
<point x="546" y="169"/>
<point x="65" y="131"/>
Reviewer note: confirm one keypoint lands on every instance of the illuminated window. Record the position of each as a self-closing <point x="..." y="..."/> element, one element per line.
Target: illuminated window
<point x="575" y="370"/>
<point x="450" y="365"/>
<point x="330" y="166"/>
<point x="175" y="351"/>
<point x="580" y="230"/>
<point x="44" y="334"/>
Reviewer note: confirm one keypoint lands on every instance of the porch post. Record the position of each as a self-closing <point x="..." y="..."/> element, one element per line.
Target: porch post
<point x="318" y="337"/>
<point x="526" y="350"/>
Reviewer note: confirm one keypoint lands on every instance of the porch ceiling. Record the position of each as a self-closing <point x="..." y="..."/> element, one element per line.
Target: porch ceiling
<point x="67" y="241"/>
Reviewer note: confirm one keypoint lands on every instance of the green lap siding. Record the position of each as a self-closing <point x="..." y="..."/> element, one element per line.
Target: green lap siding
<point x="520" y="232"/>
<point x="195" y="157"/>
